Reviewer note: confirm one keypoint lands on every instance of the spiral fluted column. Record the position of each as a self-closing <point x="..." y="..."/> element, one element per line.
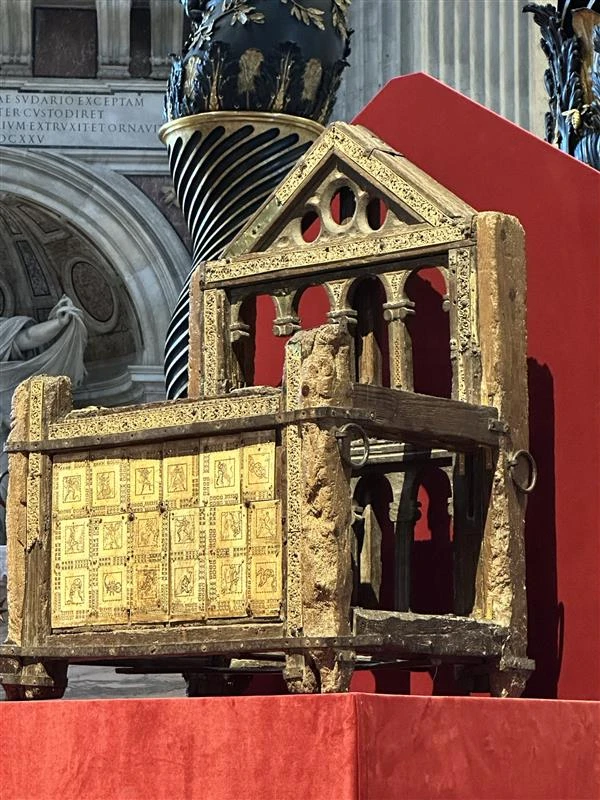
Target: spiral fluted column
<point x="224" y="166"/>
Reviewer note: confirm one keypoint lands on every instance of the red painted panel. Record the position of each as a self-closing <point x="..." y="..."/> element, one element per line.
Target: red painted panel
<point x="270" y="349"/>
<point x="495" y="165"/>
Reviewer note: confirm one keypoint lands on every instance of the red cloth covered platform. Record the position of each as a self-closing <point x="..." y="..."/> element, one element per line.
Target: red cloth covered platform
<point x="332" y="746"/>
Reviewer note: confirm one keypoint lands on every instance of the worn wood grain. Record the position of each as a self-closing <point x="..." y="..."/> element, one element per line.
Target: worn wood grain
<point x="436" y="421"/>
<point x="419" y="634"/>
<point x="108" y="648"/>
<point x="502" y="307"/>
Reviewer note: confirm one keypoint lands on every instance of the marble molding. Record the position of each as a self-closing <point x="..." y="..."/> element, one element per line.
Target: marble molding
<point x="16" y="38"/>
<point x="113" y="25"/>
<point x="166" y="33"/>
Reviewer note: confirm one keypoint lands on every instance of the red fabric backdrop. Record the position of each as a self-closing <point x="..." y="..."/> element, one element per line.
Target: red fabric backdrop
<point x="273" y="748"/>
<point x="495" y="165"/>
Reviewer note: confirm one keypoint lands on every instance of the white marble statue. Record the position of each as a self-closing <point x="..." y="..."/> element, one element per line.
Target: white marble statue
<point x="27" y="348"/>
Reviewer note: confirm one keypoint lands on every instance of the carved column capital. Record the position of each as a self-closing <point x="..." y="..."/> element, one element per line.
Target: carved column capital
<point x="238" y="329"/>
<point x="287" y="321"/>
<point x="340" y="311"/>
<point x="344" y="317"/>
<point x="398" y="310"/>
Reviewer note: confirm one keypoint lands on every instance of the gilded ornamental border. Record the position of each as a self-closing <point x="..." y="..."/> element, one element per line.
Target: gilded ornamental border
<point x="218" y="273"/>
<point x="173" y="415"/>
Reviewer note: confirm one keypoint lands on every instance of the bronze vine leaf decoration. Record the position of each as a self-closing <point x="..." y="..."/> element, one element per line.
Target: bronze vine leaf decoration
<point x="247" y="14"/>
<point x="242" y="12"/>
<point x="340" y="16"/>
<point x="306" y="15"/>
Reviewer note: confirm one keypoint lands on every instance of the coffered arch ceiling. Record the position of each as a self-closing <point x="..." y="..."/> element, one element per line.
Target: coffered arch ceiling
<point x="43" y="257"/>
<point x="65" y="228"/>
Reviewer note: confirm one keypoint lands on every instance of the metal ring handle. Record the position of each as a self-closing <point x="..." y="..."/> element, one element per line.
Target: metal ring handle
<point x="533" y="470"/>
<point x="343" y="433"/>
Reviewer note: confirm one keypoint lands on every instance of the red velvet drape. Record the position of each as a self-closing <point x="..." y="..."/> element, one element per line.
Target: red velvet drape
<point x="335" y="747"/>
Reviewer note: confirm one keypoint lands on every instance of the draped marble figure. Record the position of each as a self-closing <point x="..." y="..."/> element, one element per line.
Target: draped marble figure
<point x="53" y="347"/>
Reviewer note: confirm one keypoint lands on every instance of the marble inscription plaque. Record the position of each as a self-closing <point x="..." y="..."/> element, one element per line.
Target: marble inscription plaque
<point x="66" y="119"/>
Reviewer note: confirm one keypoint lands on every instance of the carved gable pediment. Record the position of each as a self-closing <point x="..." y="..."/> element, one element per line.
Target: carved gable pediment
<point x="351" y="194"/>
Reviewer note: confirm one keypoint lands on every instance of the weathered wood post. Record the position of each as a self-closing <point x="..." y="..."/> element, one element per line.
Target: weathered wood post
<point x="318" y="373"/>
<point x="36" y="403"/>
<point x="502" y="299"/>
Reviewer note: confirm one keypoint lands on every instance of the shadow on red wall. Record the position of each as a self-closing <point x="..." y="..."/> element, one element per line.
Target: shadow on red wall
<point x="269" y="353"/>
<point x="429" y="329"/>
<point x="545" y="613"/>
<point x="493" y="164"/>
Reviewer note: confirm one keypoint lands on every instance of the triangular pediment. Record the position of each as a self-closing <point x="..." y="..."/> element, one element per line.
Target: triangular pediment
<point x="384" y="195"/>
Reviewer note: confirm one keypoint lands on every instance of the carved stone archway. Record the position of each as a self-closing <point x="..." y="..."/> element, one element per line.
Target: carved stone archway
<point x="125" y="225"/>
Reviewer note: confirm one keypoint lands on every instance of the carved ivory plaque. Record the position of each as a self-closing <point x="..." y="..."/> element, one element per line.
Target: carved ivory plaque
<point x="190" y="531"/>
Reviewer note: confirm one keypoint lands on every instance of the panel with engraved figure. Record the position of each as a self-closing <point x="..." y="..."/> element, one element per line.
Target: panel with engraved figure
<point x="264" y="546"/>
<point x="220" y="475"/>
<point x="145" y="480"/>
<point x="108" y="483"/>
<point x="180" y="475"/>
<point x="227" y="561"/>
<point x="187" y="564"/>
<point x="258" y="471"/>
<point x="70" y="489"/>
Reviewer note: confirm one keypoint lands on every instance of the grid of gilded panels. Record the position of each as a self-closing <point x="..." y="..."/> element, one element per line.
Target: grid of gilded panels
<point x="188" y="532"/>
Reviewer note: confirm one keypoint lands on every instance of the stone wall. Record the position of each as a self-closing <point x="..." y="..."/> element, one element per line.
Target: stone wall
<point x="486" y="49"/>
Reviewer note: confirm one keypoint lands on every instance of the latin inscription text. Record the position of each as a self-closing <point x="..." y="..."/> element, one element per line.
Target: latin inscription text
<point x="32" y="119"/>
